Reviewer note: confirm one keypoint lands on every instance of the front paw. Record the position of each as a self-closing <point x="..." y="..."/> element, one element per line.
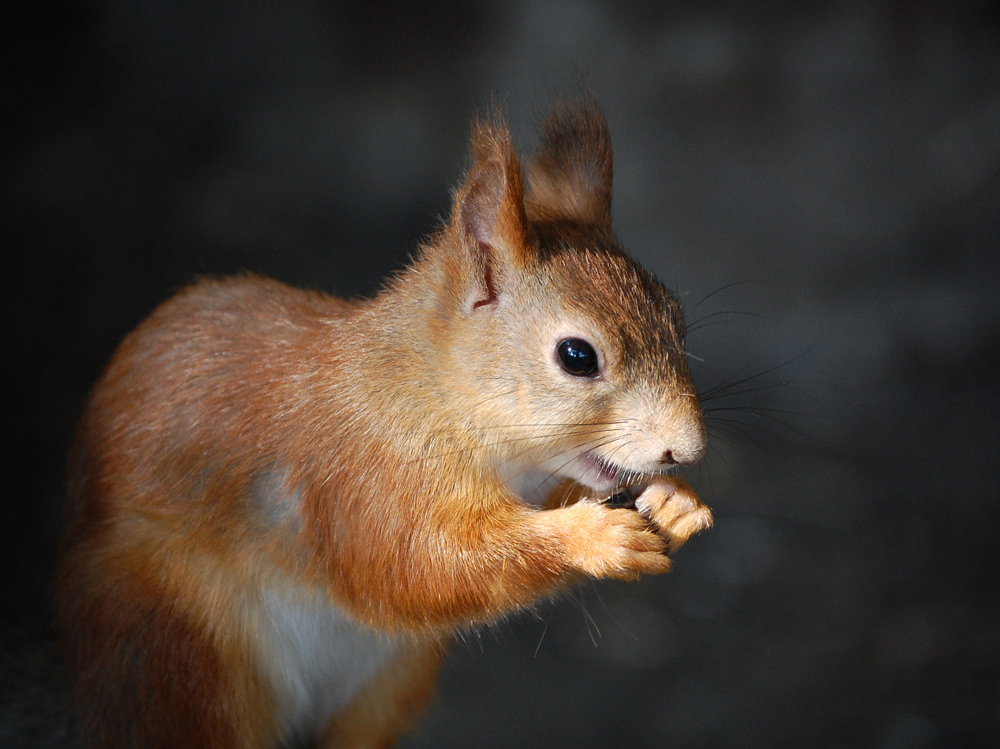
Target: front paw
<point x="674" y="510"/>
<point x="605" y="542"/>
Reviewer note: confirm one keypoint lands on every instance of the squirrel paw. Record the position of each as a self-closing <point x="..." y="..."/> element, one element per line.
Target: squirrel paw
<point x="674" y="510"/>
<point x="616" y="543"/>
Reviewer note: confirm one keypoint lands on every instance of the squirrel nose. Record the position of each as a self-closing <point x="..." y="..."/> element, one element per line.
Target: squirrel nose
<point x="682" y="454"/>
<point x="683" y="443"/>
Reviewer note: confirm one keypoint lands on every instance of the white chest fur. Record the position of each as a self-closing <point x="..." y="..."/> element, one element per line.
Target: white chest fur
<point x="316" y="659"/>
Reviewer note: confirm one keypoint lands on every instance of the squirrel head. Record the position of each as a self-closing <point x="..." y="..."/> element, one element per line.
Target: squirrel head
<point x="562" y="358"/>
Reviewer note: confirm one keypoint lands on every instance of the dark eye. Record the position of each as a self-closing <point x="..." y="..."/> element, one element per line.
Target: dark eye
<point x="577" y="357"/>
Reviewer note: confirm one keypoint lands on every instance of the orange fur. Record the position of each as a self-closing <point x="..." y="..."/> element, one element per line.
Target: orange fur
<point x="282" y="504"/>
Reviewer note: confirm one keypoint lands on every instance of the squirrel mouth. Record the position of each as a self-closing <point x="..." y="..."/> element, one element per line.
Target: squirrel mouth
<point x="610" y="483"/>
<point x="604" y="476"/>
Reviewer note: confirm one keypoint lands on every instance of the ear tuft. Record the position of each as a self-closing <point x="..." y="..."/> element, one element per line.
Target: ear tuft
<point x="491" y="201"/>
<point x="489" y="212"/>
<point x="570" y="178"/>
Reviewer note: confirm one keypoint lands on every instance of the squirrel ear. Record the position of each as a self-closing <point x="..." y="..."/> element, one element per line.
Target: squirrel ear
<point x="489" y="213"/>
<point x="570" y="178"/>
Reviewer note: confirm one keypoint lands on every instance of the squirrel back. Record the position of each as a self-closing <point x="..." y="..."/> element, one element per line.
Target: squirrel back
<point x="282" y="505"/>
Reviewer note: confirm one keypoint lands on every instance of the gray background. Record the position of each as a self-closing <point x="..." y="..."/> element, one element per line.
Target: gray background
<point x="839" y="162"/>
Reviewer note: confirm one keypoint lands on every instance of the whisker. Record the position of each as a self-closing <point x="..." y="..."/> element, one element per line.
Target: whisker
<point x="567" y="492"/>
<point x="708" y="469"/>
<point x="734" y="432"/>
<point x="544" y="630"/>
<point x="723" y="423"/>
<point x="724" y="288"/>
<point x="494" y="396"/>
<point x="614" y="619"/>
<point x="576" y="452"/>
<point x="722" y="387"/>
<point x="764" y="411"/>
<point x="722" y="456"/>
<point x="768" y="415"/>
<point x="700" y="322"/>
<point x="555" y="423"/>
<point x="716" y="431"/>
<point x="790" y="427"/>
<point x="726" y="393"/>
<point x="613" y="451"/>
<point x="576" y="596"/>
<point x="695" y="328"/>
<point x="574" y="431"/>
<point x="495" y="443"/>
<point x="566" y="430"/>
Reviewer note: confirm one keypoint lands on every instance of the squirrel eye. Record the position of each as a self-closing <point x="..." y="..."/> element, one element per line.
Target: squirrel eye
<point x="577" y="357"/>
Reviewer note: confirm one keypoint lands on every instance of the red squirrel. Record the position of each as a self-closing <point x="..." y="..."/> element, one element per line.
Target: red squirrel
<point x="282" y="505"/>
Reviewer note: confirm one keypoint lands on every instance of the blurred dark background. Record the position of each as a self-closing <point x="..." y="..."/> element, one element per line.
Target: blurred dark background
<point x="831" y="170"/>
